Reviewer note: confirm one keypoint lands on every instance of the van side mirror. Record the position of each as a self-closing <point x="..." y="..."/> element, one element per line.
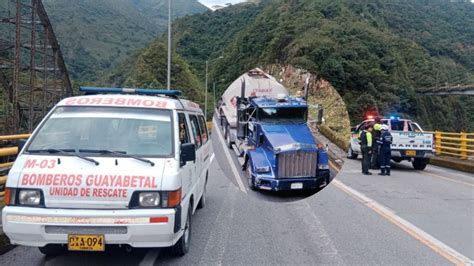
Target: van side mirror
<point x="21" y="144"/>
<point x="188" y="153"/>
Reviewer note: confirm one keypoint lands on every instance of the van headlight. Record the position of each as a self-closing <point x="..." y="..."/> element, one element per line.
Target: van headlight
<point x="29" y="197"/>
<point x="149" y="199"/>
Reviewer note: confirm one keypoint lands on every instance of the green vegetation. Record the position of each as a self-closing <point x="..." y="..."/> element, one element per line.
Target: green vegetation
<point x="377" y="54"/>
<point x="98" y="35"/>
<point x="148" y="68"/>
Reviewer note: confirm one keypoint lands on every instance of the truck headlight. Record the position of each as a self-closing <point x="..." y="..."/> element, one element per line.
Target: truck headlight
<point x="262" y="169"/>
<point x="323" y="166"/>
<point x="149" y="199"/>
<point x="29" y="197"/>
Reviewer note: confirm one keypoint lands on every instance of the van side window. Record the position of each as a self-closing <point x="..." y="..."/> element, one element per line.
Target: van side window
<point x="183" y="129"/>
<point x="195" y="129"/>
<point x="203" y="127"/>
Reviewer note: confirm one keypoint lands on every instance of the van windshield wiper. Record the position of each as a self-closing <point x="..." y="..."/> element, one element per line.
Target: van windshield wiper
<point x="65" y="151"/>
<point x="121" y="153"/>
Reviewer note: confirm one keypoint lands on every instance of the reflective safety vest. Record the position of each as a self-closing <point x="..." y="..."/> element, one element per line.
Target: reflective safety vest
<point x="368" y="138"/>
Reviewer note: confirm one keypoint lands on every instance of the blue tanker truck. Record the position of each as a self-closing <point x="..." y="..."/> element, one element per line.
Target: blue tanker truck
<point x="271" y="134"/>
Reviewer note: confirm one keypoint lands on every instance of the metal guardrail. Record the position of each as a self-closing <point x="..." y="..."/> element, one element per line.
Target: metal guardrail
<point x="7" y="154"/>
<point x="459" y="145"/>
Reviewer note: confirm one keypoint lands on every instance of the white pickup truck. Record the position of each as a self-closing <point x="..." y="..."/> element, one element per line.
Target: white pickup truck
<point x="409" y="141"/>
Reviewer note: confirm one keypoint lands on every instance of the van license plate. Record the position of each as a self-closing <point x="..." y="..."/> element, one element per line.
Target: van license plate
<point x="410" y="153"/>
<point x="86" y="243"/>
<point x="296" y="185"/>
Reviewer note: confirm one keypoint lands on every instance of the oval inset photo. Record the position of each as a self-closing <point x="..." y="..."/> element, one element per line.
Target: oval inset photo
<point x="279" y="133"/>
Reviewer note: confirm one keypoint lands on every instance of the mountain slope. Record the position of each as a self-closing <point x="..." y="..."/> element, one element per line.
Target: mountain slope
<point x="148" y="68"/>
<point x="377" y="54"/>
<point x="98" y="34"/>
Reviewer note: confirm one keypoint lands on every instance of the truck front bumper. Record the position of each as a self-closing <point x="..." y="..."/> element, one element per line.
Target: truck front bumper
<point x="286" y="184"/>
<point x="41" y="226"/>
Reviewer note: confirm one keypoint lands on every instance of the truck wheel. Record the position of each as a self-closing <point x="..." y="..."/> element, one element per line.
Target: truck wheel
<point x="53" y="249"/>
<point x="182" y="246"/>
<point x="228" y="140"/>
<point x="420" y="163"/>
<point x="250" y="180"/>
<point x="351" y="154"/>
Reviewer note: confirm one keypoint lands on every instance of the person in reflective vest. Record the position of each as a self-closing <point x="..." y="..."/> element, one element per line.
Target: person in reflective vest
<point x="374" y="163"/>
<point x="385" y="152"/>
<point x="365" y="137"/>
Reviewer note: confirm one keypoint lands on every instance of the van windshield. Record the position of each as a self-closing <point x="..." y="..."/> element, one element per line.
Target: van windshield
<point x="132" y="131"/>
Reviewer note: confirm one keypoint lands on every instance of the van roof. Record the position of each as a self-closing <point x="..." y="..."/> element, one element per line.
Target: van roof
<point x="131" y="100"/>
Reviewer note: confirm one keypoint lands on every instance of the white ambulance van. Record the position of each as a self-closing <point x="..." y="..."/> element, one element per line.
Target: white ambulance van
<point x="123" y="167"/>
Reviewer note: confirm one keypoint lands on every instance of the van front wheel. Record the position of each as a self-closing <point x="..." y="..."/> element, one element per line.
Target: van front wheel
<point x="182" y="246"/>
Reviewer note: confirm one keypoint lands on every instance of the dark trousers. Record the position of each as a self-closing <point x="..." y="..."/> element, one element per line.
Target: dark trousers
<point x="385" y="157"/>
<point x="365" y="159"/>
<point x="375" y="157"/>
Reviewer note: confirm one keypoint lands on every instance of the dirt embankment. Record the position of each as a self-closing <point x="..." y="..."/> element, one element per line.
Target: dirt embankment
<point x="322" y="93"/>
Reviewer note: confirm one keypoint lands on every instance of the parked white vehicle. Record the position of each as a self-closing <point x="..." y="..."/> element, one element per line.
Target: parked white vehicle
<point x="409" y="141"/>
<point x="122" y="167"/>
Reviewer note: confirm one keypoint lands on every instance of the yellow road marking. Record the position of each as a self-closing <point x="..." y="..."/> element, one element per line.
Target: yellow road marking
<point x="437" y="246"/>
<point x="336" y="168"/>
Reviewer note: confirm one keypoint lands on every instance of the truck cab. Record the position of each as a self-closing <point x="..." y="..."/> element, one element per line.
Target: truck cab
<point x="279" y="148"/>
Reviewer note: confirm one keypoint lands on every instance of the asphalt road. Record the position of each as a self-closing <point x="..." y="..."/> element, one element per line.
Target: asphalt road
<point x="412" y="217"/>
<point x="239" y="178"/>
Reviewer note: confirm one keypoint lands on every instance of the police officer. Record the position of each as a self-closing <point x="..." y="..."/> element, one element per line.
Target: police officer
<point x="366" y="148"/>
<point x="375" y="145"/>
<point x="385" y="142"/>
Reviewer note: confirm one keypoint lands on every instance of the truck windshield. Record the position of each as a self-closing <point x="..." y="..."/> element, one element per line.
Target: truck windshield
<point x="285" y="114"/>
<point x="131" y="131"/>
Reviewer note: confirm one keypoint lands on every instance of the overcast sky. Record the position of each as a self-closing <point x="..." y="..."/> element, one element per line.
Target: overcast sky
<point x="219" y="2"/>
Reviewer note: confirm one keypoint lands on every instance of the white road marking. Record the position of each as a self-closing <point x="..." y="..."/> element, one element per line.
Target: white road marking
<point x="229" y="158"/>
<point x="430" y="241"/>
<point x="150" y="257"/>
<point x="213" y="156"/>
